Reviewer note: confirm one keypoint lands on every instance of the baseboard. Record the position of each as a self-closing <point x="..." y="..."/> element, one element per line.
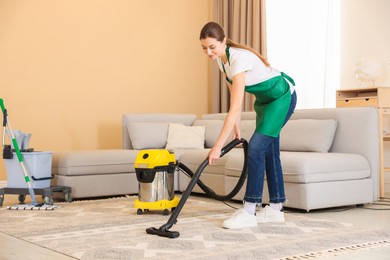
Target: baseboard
<point x="3" y="184"/>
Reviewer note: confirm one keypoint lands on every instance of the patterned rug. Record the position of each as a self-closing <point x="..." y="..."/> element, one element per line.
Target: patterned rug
<point x="111" y="229"/>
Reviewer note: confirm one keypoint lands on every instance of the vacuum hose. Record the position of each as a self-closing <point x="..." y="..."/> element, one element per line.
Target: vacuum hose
<point x="204" y="164"/>
<point x="164" y="229"/>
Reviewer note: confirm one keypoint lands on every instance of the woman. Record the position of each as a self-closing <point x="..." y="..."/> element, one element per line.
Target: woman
<point x="247" y="71"/>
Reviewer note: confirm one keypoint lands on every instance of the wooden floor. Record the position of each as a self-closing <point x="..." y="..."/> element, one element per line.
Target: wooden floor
<point x="12" y="248"/>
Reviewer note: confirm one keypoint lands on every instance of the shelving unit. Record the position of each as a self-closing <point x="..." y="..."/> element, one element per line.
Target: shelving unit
<point x="378" y="97"/>
<point x="385" y="138"/>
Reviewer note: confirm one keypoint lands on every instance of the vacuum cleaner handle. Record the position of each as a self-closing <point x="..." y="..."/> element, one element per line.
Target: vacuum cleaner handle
<point x="231" y="145"/>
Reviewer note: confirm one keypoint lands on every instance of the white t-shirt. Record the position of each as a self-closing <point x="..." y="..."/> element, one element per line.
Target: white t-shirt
<point x="256" y="71"/>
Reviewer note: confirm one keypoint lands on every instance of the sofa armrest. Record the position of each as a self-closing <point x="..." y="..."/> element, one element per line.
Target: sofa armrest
<point x="357" y="132"/>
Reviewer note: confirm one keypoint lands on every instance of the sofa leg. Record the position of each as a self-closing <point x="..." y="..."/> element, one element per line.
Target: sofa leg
<point x="359" y="205"/>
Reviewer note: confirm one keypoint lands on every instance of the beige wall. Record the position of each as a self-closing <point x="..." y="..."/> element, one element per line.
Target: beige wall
<point x="70" y="69"/>
<point x="364" y="33"/>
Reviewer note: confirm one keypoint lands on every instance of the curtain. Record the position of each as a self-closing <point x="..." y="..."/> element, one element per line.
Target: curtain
<point x="244" y="23"/>
<point x="307" y="47"/>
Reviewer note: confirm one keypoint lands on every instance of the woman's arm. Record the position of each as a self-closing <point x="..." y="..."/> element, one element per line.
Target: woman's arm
<point x="237" y="130"/>
<point x="236" y="98"/>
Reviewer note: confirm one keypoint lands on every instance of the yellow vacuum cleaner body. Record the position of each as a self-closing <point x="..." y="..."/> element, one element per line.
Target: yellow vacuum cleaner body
<point x="155" y="174"/>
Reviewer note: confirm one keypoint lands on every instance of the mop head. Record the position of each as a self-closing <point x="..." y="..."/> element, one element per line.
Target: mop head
<point x="33" y="206"/>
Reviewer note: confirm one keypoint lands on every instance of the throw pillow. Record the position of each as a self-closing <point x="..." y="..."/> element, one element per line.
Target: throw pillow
<point x="308" y="135"/>
<point x="148" y="135"/>
<point x="185" y="137"/>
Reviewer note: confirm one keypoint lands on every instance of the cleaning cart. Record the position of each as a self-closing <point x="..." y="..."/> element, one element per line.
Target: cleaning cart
<point x="28" y="172"/>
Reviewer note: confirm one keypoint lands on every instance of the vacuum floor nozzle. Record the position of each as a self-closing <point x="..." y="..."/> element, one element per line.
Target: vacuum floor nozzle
<point x="162" y="232"/>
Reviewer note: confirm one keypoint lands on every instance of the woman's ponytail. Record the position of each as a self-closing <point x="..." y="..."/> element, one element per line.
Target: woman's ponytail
<point x="240" y="46"/>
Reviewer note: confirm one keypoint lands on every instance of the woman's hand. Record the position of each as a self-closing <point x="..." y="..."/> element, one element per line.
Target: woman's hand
<point x="214" y="154"/>
<point x="237" y="131"/>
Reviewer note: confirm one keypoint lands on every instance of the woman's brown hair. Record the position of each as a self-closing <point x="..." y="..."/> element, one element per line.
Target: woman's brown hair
<point x="214" y="30"/>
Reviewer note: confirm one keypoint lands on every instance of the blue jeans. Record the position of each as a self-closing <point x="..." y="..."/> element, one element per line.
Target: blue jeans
<point x="264" y="157"/>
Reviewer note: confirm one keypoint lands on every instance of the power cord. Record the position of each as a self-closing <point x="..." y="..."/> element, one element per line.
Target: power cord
<point x="383" y="203"/>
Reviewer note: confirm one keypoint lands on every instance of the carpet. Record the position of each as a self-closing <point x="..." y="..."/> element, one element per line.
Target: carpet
<point x="111" y="229"/>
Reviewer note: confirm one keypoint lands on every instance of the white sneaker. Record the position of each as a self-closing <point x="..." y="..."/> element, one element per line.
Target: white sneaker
<point x="268" y="214"/>
<point x="240" y="219"/>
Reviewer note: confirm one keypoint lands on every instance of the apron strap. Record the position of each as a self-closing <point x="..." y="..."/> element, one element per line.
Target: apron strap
<point x="223" y="66"/>
<point x="284" y="75"/>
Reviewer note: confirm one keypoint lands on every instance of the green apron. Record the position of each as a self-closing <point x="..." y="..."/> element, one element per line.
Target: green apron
<point x="273" y="98"/>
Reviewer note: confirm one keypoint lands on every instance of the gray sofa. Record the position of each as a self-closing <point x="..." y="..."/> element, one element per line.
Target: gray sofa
<point x="99" y="173"/>
<point x="314" y="176"/>
<point x="330" y="157"/>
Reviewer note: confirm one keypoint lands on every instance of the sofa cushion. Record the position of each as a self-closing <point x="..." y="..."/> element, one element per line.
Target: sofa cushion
<point x="92" y="162"/>
<point x="247" y="128"/>
<point x="193" y="158"/>
<point x="185" y="137"/>
<point x="245" y="115"/>
<point x="214" y="127"/>
<point x="212" y="130"/>
<point x="127" y="118"/>
<point x="234" y="162"/>
<point x="308" y="135"/>
<point x="306" y="167"/>
<point x="148" y="135"/>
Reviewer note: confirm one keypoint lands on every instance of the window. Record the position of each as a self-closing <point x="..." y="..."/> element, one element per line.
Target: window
<point x="303" y="41"/>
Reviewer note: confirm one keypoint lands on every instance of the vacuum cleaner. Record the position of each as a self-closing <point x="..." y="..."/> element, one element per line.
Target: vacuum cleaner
<point x="159" y="165"/>
<point x="154" y="170"/>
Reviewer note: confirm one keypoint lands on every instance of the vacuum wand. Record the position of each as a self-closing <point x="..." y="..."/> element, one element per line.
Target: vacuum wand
<point x="164" y="229"/>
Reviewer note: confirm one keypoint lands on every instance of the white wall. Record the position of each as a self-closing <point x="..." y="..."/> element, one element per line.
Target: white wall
<point x="364" y="33"/>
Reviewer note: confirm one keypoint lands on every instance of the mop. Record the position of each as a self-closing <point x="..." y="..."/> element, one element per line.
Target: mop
<point x="34" y="205"/>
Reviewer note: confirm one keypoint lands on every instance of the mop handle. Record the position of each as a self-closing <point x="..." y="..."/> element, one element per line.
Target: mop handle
<point x="13" y="139"/>
<point x="4" y="112"/>
<point x="4" y="119"/>
<point x="2" y="105"/>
